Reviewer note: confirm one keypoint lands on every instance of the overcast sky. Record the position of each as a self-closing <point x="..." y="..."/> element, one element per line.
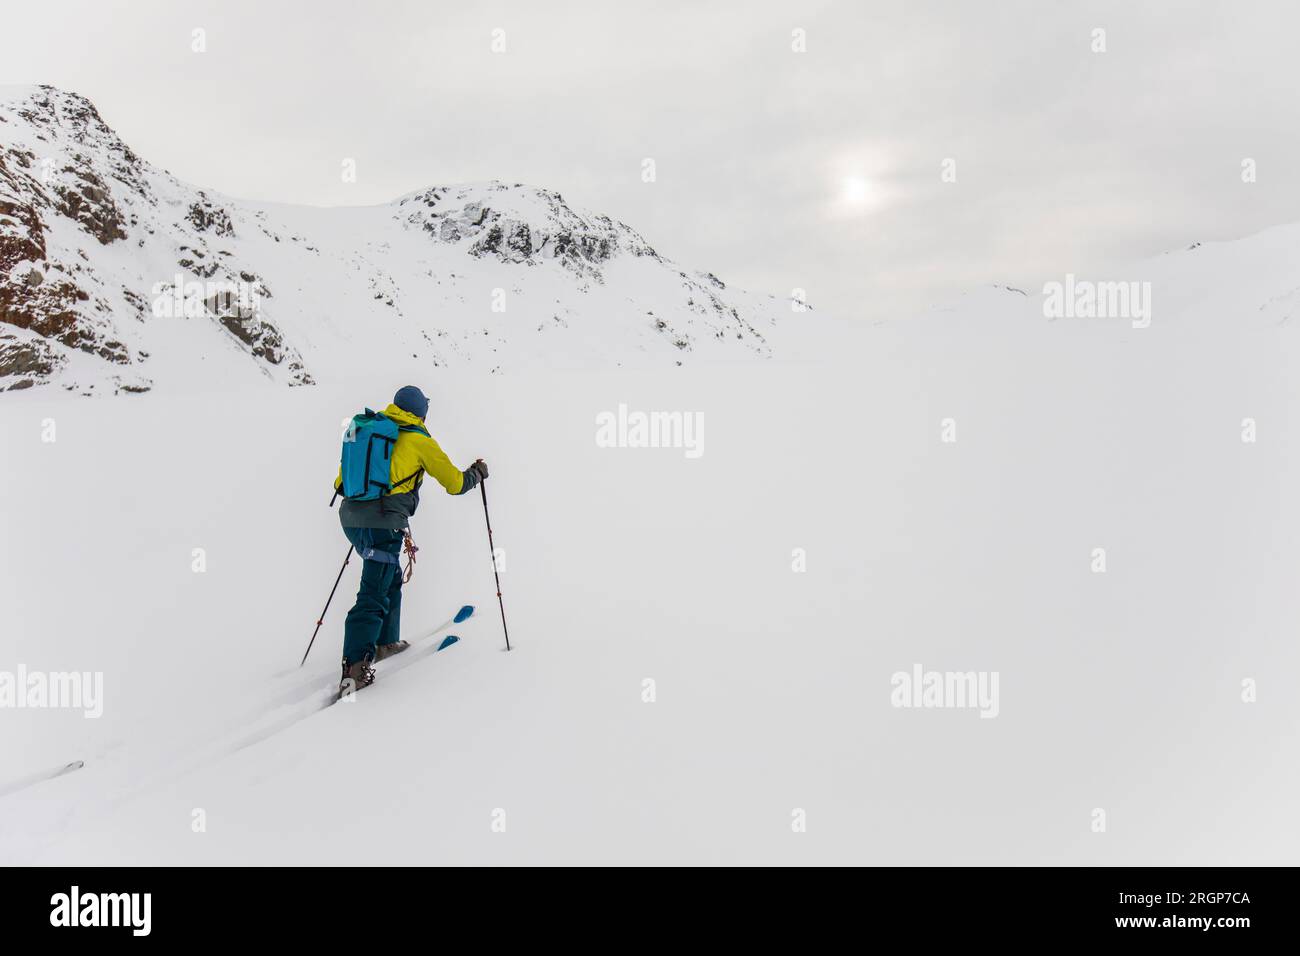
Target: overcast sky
<point x="775" y="169"/>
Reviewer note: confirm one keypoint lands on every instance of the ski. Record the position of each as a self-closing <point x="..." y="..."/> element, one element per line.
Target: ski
<point x="296" y="693"/>
<point x="466" y="611"/>
<point x="420" y="648"/>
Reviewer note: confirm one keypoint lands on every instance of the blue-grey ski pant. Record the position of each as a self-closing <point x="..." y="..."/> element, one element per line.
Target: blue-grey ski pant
<point x="376" y="616"/>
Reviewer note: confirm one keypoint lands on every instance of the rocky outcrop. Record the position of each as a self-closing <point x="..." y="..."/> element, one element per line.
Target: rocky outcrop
<point x="519" y="225"/>
<point x="59" y="162"/>
<point x="25" y="363"/>
<point x="205" y="217"/>
<point x="89" y="203"/>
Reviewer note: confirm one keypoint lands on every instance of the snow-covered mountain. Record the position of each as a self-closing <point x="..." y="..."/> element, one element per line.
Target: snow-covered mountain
<point x="117" y="277"/>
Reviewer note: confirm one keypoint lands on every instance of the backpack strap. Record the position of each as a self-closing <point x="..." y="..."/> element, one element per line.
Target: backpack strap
<point x="420" y="429"/>
<point x="398" y="484"/>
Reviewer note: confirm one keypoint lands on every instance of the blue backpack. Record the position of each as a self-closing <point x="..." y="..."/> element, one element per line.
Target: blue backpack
<point x="367" y="456"/>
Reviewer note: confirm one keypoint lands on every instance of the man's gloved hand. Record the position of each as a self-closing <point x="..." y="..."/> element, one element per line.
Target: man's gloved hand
<point x="480" y="469"/>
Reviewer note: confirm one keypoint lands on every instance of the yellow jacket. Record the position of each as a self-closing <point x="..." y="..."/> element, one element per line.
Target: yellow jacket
<point x="415" y="454"/>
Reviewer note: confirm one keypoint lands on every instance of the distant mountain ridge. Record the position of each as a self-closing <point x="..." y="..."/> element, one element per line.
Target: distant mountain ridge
<point x="98" y="247"/>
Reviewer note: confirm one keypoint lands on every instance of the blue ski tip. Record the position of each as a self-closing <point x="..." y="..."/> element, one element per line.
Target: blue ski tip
<point x="463" y="613"/>
<point x="449" y="640"/>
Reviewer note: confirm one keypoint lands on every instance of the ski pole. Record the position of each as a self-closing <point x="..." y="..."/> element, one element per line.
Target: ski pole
<point x="482" y="485"/>
<point x="321" y="619"/>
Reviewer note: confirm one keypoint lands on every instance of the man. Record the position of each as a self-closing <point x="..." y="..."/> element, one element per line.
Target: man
<point x="376" y="529"/>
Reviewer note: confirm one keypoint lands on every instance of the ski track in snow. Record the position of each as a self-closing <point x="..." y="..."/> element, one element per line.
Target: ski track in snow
<point x="31" y="779"/>
<point x="251" y="725"/>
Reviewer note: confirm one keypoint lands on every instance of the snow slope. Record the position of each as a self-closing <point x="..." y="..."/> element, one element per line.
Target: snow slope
<point x="1242" y="286"/>
<point x="116" y="276"/>
<point x="1119" y="691"/>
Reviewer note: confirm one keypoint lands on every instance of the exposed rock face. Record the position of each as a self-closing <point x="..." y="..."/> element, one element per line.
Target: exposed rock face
<point x="23" y="364"/>
<point x="89" y="203"/>
<point x="61" y="165"/>
<point x="513" y="224"/>
<point x="38" y="292"/>
<point x="208" y="218"/>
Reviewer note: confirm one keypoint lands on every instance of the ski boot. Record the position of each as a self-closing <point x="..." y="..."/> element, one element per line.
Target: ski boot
<point x="388" y="650"/>
<point x="356" y="675"/>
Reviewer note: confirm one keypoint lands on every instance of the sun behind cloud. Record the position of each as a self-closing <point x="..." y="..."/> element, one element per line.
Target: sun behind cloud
<point x="856" y="191"/>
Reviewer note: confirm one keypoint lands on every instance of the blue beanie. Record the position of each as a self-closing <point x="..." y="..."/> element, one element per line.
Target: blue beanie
<point x="411" y="399"/>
